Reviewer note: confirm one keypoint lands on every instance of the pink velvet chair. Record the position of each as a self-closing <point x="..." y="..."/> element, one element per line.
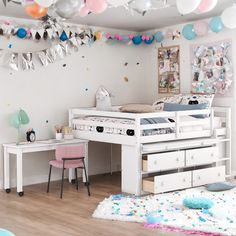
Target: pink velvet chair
<point x="69" y="157"/>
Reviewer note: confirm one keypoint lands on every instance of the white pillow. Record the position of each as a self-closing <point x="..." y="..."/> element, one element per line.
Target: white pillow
<point x="193" y="99"/>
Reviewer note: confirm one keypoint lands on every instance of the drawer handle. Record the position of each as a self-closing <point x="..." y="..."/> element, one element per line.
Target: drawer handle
<point x="219" y="174"/>
<point x="192" y="157"/>
<point x="162" y="183"/>
<point x="199" y="177"/>
<point x="155" y="162"/>
<point x="184" y="180"/>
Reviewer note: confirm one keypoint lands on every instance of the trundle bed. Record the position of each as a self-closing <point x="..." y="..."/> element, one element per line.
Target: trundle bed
<point x="162" y="151"/>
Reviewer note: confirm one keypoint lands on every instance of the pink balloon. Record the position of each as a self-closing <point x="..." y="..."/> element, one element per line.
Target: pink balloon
<point x="200" y="28"/>
<point x="84" y="11"/>
<point x="96" y="6"/>
<point x="207" y="5"/>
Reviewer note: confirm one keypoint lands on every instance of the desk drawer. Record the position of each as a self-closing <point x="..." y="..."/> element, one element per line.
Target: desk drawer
<point x="201" y="156"/>
<point x="208" y="175"/>
<point x="166" y="183"/>
<point x="164" y="161"/>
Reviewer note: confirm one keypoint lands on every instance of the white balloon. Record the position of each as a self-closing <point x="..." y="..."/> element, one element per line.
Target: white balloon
<point x="141" y="5"/>
<point x="228" y="17"/>
<point x="117" y="3"/>
<point x="187" y="6"/>
<point x="44" y="3"/>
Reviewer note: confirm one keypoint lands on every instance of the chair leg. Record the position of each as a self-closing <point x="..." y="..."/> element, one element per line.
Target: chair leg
<point x="49" y="177"/>
<point x="62" y="181"/>
<point x="76" y="177"/>
<point x="86" y="177"/>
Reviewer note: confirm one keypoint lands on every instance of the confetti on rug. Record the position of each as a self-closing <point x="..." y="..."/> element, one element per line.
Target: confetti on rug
<point x="219" y="220"/>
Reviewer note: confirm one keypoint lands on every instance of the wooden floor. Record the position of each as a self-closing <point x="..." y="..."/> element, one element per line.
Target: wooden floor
<point x="42" y="214"/>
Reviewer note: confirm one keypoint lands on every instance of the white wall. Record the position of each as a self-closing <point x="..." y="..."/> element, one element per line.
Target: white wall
<point x="185" y="69"/>
<point x="47" y="93"/>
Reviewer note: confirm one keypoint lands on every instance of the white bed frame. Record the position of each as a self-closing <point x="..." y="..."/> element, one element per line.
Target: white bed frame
<point x="134" y="148"/>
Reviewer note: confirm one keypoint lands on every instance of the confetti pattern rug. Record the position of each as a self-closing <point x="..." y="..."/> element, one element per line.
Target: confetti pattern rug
<point x="219" y="220"/>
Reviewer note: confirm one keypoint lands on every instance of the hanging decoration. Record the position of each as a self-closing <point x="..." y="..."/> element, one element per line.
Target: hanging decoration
<point x="229" y="17"/>
<point x="212" y="69"/>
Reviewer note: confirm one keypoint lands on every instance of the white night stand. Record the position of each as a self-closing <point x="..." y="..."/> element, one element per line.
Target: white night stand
<point x="38" y="146"/>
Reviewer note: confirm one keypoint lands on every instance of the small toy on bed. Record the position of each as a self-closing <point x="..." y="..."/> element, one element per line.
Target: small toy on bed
<point x="103" y="100"/>
<point x="198" y="203"/>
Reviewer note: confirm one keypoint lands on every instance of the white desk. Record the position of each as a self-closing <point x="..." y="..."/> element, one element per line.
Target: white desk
<point x="38" y="146"/>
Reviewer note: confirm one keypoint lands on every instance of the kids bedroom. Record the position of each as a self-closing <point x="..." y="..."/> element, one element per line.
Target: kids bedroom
<point x="117" y="117"/>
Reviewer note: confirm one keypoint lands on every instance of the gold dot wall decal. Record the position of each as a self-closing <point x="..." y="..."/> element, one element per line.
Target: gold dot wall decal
<point x="126" y="79"/>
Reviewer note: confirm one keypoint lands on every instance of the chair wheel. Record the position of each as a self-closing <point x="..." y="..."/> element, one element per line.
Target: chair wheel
<point x="73" y="181"/>
<point x="86" y="183"/>
<point x="8" y="190"/>
<point x="21" y="194"/>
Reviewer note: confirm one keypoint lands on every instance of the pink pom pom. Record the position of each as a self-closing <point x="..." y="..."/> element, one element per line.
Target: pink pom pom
<point x="108" y="35"/>
<point x="131" y="36"/>
<point x="143" y="37"/>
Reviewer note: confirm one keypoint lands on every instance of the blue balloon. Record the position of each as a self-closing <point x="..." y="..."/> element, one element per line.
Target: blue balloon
<point x="188" y="32"/>
<point x="159" y="36"/>
<point x="216" y="24"/>
<point x="153" y="218"/>
<point x="21" y="33"/>
<point x="63" y="36"/>
<point x="137" y="40"/>
<point x="150" y="41"/>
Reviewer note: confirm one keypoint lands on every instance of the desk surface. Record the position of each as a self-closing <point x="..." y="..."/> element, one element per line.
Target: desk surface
<point x="43" y="143"/>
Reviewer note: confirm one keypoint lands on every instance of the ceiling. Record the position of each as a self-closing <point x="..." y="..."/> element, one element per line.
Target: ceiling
<point x="120" y="18"/>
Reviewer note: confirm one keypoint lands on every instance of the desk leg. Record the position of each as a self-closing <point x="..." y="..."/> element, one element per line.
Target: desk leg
<point x="86" y="163"/>
<point x="6" y="170"/>
<point x="19" y="174"/>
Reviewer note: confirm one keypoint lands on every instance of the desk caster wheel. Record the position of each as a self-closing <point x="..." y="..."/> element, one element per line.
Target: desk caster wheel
<point x="86" y="184"/>
<point x="8" y="190"/>
<point x="21" y="194"/>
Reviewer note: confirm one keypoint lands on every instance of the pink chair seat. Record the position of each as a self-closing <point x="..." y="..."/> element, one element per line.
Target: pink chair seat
<point x="68" y="164"/>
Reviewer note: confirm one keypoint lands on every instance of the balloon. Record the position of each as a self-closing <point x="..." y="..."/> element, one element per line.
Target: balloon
<point x="24" y="118"/>
<point x="188" y="32"/>
<point x="187" y="6"/>
<point x="216" y="24"/>
<point x="159" y="36"/>
<point x="84" y="11"/>
<point x="68" y="8"/>
<point x="141" y="5"/>
<point x="153" y="218"/>
<point x="206" y="5"/>
<point x="150" y="40"/>
<point x="15" y="121"/>
<point x="21" y="33"/>
<point x="137" y="40"/>
<point x="117" y="3"/>
<point x="96" y="6"/>
<point x="200" y="28"/>
<point x="44" y="3"/>
<point x="229" y="17"/>
<point x="63" y="36"/>
<point x="36" y="11"/>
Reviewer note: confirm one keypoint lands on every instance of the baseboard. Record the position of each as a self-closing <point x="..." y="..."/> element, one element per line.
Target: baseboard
<point x="233" y="174"/>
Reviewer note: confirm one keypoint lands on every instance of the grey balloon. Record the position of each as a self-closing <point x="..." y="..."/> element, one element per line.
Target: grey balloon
<point x="68" y="8"/>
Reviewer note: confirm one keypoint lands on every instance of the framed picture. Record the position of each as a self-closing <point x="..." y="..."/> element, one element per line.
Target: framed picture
<point x="168" y="70"/>
<point x="212" y="68"/>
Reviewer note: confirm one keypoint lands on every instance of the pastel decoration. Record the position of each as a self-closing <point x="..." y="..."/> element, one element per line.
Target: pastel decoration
<point x="216" y="25"/>
<point x="21" y="33"/>
<point x="153" y="218"/>
<point x="131" y="36"/>
<point x="96" y="6"/>
<point x="188" y="32"/>
<point x="159" y="37"/>
<point x="229" y="17"/>
<point x="98" y="35"/>
<point x="23" y="117"/>
<point x="108" y="35"/>
<point x="44" y="3"/>
<point x="149" y="40"/>
<point x="207" y="5"/>
<point x="115" y="3"/>
<point x="4" y="232"/>
<point x="200" y="28"/>
<point x="36" y="11"/>
<point x="185" y="7"/>
<point x="63" y="36"/>
<point x="169" y="33"/>
<point x="84" y="11"/>
<point x="126" y="39"/>
<point x="137" y="39"/>
<point x="143" y="37"/>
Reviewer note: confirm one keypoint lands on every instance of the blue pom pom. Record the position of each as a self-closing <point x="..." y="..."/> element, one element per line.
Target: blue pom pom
<point x="198" y="203"/>
<point x="21" y="33"/>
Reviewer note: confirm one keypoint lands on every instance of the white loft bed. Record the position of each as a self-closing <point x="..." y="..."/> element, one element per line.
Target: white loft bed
<point x="138" y="139"/>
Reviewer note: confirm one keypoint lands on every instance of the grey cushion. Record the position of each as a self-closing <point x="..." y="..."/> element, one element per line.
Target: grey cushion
<point x="180" y="107"/>
<point x="220" y="186"/>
